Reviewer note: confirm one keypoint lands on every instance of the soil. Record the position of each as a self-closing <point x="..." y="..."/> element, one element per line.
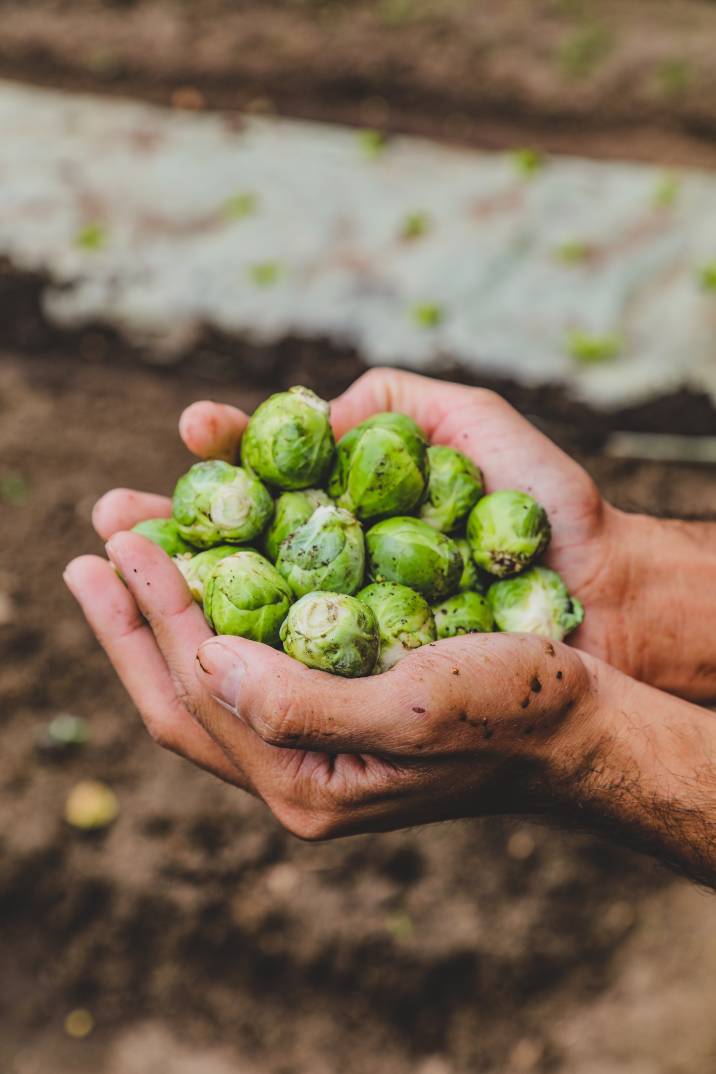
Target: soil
<point x="199" y="934"/>
<point x="189" y="929"/>
<point x="567" y="75"/>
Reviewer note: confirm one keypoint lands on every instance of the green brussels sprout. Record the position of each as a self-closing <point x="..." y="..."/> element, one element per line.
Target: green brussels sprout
<point x="245" y="595"/>
<point x="332" y="632"/>
<point x="472" y="577"/>
<point x="326" y="553"/>
<point x="404" y="620"/>
<point x="465" y="613"/>
<point x="289" y="441"/>
<point x="412" y="553"/>
<point x="165" y="533"/>
<point x="196" y="569"/>
<point x="535" y="602"/>
<point x="217" y="503"/>
<point x="454" y="487"/>
<point x="292" y="509"/>
<point x="507" y="530"/>
<point x="381" y="468"/>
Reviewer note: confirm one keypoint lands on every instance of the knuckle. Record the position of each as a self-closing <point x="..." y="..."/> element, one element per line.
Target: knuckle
<point x="283" y="723"/>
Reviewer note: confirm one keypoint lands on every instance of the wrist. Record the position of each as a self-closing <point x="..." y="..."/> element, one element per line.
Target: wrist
<point x="667" y="572"/>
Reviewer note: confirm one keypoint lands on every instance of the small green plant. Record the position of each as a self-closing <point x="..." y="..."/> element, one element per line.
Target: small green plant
<point x="92" y="238"/>
<point x="427" y="314"/>
<point x="265" y="273"/>
<point x="666" y="191"/>
<point x="673" y="76"/>
<point x="373" y="143"/>
<point x="400" y="926"/>
<point x="591" y="349"/>
<point x="240" y="206"/>
<point x="414" y="226"/>
<point x="573" y="252"/>
<point x="396" y="12"/>
<point x="528" y="162"/>
<point x="584" y="49"/>
<point x="707" y="277"/>
<point x="14" y="489"/>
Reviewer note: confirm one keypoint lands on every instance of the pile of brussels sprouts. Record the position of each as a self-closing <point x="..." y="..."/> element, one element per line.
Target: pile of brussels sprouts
<point x="350" y="555"/>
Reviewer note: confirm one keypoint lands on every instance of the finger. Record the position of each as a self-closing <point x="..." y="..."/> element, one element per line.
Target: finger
<point x="212" y="430"/>
<point x="179" y="627"/>
<point x="437" y="696"/>
<point x="163" y="598"/>
<point x="121" y="509"/>
<point x="112" y="614"/>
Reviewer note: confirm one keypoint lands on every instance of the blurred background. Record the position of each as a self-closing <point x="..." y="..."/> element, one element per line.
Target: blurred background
<point x="225" y="198"/>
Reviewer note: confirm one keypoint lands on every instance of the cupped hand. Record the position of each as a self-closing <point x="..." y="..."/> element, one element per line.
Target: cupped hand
<point x="474" y="725"/>
<point x="589" y="547"/>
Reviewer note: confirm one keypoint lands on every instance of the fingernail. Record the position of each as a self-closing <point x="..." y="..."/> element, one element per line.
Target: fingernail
<point x="225" y="673"/>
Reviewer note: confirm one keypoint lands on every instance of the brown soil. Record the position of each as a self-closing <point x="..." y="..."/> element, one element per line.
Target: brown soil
<point x="630" y="78"/>
<point x="199" y="934"/>
<point x="193" y="923"/>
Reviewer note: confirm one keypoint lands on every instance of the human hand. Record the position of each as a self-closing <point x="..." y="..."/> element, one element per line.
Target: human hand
<point x="474" y="725"/>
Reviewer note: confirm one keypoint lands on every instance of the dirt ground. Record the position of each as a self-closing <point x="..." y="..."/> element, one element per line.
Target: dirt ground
<point x="625" y="78"/>
<point x="200" y="936"/>
<point x="191" y="930"/>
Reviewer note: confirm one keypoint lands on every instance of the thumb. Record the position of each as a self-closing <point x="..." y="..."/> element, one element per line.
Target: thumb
<point x="212" y="430"/>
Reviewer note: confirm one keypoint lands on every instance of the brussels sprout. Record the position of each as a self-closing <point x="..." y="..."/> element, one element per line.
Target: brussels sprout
<point x="245" y="595"/>
<point x="292" y="509"/>
<point x="217" y="503"/>
<point x="196" y="569"/>
<point x="409" y="551"/>
<point x="536" y="602"/>
<point x="454" y="487"/>
<point x="472" y="577"/>
<point x="289" y="441"/>
<point x="507" y="530"/>
<point x="326" y="553"/>
<point x="165" y="533"/>
<point x="465" y="613"/>
<point x="332" y="632"/>
<point x="404" y="620"/>
<point x="381" y="468"/>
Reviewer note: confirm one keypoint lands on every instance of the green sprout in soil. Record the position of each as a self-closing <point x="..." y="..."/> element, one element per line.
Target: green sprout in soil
<point x="68" y="730"/>
<point x="427" y="314"/>
<point x="528" y="162"/>
<point x="674" y="76"/>
<point x="265" y="273"/>
<point x="707" y="277"/>
<point x="400" y="926"/>
<point x="372" y="143"/>
<point x="240" y="206"/>
<point x="92" y="238"/>
<point x="583" y="51"/>
<point x="414" y="226"/>
<point x="591" y="349"/>
<point x="396" y="12"/>
<point x="573" y="252"/>
<point x="14" y="489"/>
<point x="666" y="191"/>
